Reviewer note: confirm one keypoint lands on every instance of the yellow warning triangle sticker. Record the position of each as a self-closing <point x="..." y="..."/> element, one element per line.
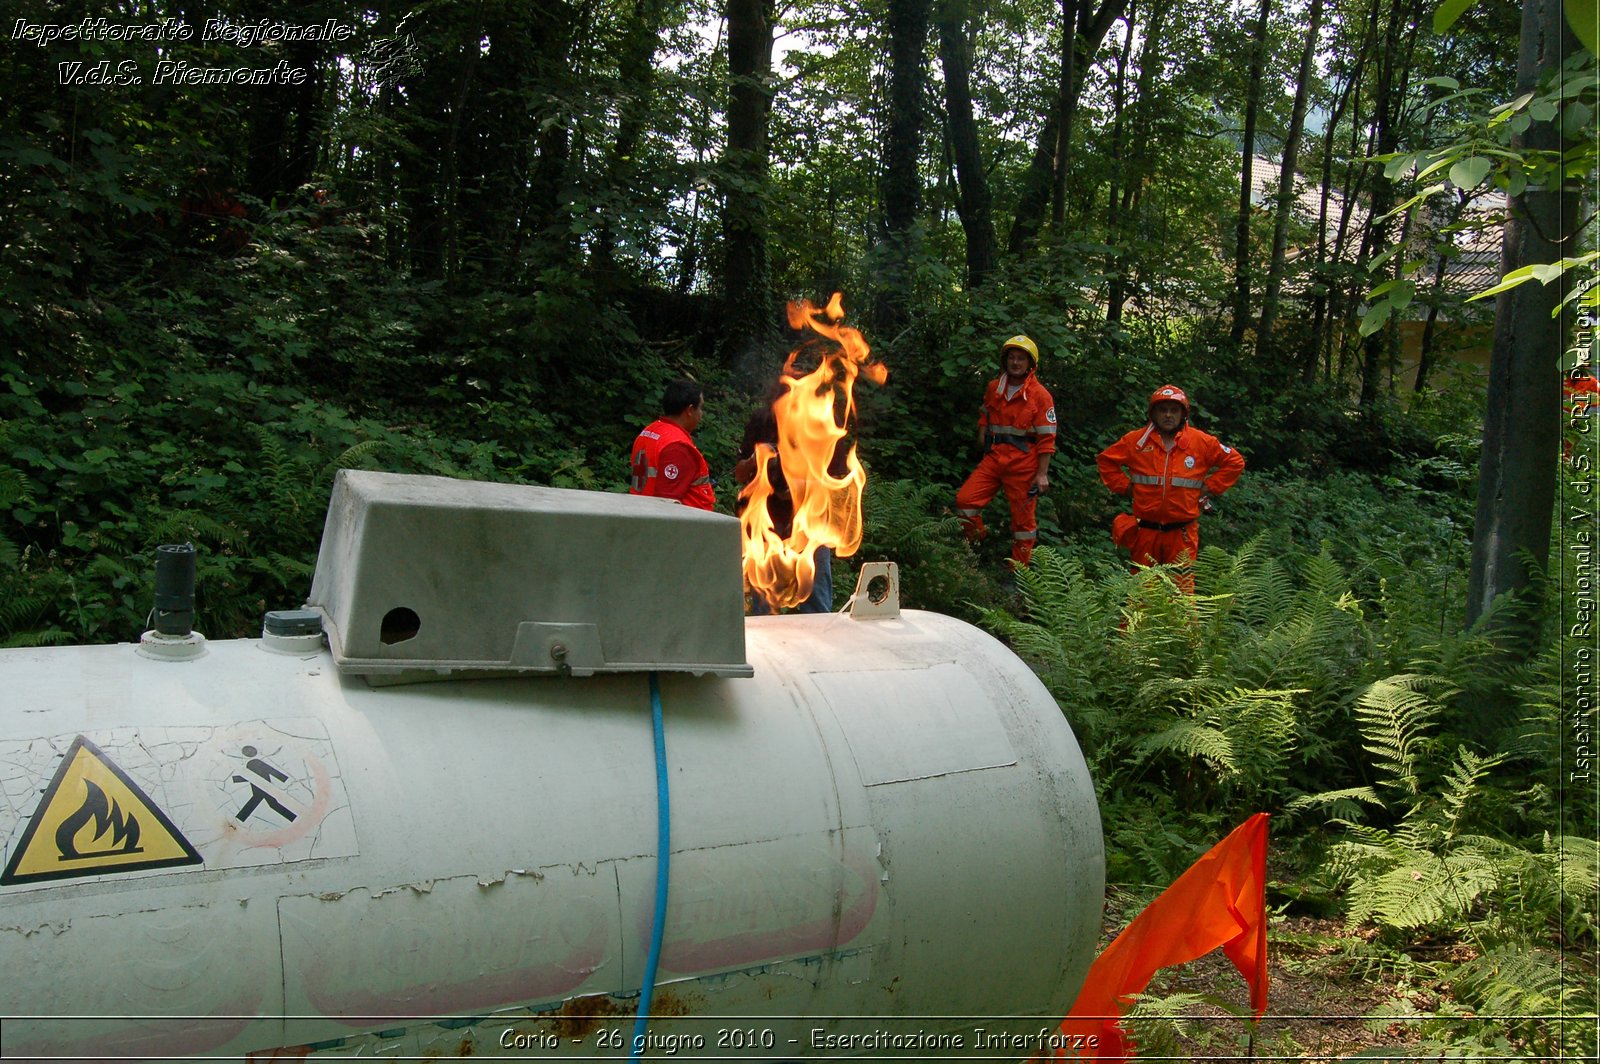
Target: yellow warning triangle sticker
<point x="94" y="821"/>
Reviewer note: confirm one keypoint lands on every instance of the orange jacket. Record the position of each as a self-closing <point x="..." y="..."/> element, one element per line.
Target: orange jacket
<point x="667" y="465"/>
<point x="1166" y="485"/>
<point x="1027" y="419"/>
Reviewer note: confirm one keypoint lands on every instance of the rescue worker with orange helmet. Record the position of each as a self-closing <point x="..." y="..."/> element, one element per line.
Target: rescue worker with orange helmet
<point x="1170" y="468"/>
<point x="666" y="463"/>
<point x="1017" y="431"/>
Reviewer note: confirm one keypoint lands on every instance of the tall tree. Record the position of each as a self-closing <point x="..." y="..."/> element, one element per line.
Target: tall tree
<point x="1521" y="431"/>
<point x="1241" y="234"/>
<point x="901" y="183"/>
<point x="1389" y="95"/>
<point x="974" y="203"/>
<point x="747" y="288"/>
<point x="1286" y="178"/>
<point x="1083" y="28"/>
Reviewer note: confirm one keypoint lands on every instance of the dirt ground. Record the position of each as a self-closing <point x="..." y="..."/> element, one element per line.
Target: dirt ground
<point x="1321" y="1008"/>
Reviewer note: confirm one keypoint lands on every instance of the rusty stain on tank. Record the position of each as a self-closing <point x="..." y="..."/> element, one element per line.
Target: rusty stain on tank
<point x="581" y="1015"/>
<point x="667" y="1003"/>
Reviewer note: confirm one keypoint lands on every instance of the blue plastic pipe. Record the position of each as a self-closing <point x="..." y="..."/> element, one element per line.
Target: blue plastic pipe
<point x="641" y="1023"/>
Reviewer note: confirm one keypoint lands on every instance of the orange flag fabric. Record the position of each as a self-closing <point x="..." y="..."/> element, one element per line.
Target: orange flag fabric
<point x="1219" y="901"/>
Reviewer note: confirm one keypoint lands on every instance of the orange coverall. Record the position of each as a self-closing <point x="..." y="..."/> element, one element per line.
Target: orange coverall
<point x="1019" y="430"/>
<point x="1166" y="485"/>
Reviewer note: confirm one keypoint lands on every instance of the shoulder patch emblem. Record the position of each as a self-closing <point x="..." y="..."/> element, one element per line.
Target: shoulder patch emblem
<point x="1226" y="449"/>
<point x="1188" y="461"/>
<point x="1050" y="415"/>
<point x="670" y="472"/>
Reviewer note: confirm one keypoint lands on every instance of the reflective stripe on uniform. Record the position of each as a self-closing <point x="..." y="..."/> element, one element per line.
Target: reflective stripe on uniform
<point x="1140" y="478"/>
<point x="1025" y="535"/>
<point x="969" y="513"/>
<point x="1006" y="430"/>
<point x="701" y="480"/>
<point x="1185" y="482"/>
<point x="1045" y="430"/>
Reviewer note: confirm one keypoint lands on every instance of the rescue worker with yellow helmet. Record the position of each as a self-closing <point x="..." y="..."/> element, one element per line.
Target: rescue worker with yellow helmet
<point x="1017" y="431"/>
<point x="1169" y="469"/>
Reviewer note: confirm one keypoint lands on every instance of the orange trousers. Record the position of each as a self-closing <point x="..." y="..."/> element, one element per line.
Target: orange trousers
<point x="1012" y="470"/>
<point x="1151" y="546"/>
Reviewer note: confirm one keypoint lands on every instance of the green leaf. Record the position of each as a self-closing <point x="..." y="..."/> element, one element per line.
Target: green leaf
<point x="1444" y="83"/>
<point x="1508" y="282"/>
<point x="1469" y="173"/>
<point x="1575" y="119"/>
<point x="1448" y="12"/>
<point x="1584" y="18"/>
<point x="1399" y="165"/>
<point x="1375" y="318"/>
<point x="1404" y="291"/>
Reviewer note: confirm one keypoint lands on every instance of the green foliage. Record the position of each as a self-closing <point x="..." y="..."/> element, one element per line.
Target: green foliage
<point x="910" y="523"/>
<point x="1448" y="865"/>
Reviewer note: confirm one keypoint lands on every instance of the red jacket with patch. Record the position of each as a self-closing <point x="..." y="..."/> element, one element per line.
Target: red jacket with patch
<point x="667" y="465"/>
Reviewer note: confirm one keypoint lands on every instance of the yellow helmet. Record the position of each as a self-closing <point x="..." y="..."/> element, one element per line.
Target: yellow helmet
<point x="1022" y="343"/>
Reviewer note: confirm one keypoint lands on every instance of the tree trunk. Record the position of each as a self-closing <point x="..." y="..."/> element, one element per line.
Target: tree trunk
<point x="1086" y="31"/>
<point x="900" y="188"/>
<point x="974" y="204"/>
<point x="750" y="311"/>
<point x="1522" y="430"/>
<point x="1390" y="91"/>
<point x="1286" y="175"/>
<point x="636" y="65"/>
<point x="1241" y="233"/>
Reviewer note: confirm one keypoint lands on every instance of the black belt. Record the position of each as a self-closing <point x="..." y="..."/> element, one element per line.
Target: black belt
<point x="1164" y="528"/>
<point x="994" y="440"/>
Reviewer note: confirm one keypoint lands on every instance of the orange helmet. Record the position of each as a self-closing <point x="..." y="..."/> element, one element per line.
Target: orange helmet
<point x="1168" y="393"/>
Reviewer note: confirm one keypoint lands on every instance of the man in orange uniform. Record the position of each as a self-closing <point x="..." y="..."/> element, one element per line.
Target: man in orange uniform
<point x="1017" y="431"/>
<point x="666" y="463"/>
<point x="1171" y="468"/>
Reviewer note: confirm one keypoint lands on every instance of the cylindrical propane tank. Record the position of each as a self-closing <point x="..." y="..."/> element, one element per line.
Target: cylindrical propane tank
<point x="885" y="842"/>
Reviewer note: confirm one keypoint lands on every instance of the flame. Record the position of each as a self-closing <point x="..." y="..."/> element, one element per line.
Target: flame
<point x="812" y="413"/>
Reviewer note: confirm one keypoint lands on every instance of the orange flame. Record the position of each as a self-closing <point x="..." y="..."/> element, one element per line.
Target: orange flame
<point x="812" y="413"/>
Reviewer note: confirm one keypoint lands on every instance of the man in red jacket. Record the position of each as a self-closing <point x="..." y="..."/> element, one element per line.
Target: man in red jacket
<point x="666" y="463"/>
<point x="1017" y="431"/>
<point x="1170" y="468"/>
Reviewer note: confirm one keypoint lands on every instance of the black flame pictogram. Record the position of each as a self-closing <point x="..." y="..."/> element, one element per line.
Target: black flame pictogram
<point x="107" y="816"/>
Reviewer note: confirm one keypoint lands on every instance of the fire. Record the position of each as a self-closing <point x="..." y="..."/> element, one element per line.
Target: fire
<point x="812" y="413"/>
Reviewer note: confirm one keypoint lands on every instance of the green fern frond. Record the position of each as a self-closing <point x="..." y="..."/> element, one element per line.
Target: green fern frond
<point x="1426" y="891"/>
<point x="355" y="457"/>
<point x="52" y="636"/>
<point x="184" y="526"/>
<point x="1335" y="802"/>
<point x="1395" y="715"/>
<point x="15" y="489"/>
<point x="1192" y="740"/>
<point x="1461" y="784"/>
<point x="1518" y="980"/>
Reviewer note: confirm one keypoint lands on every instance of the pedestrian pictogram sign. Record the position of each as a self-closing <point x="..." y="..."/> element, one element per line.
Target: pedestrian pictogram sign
<point x="94" y="820"/>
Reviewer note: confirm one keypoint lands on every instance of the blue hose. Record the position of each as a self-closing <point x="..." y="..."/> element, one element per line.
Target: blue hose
<point x="663" y="847"/>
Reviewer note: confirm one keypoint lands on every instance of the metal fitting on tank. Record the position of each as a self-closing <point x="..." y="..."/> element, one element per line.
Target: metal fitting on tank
<point x="172" y="636"/>
<point x="292" y="631"/>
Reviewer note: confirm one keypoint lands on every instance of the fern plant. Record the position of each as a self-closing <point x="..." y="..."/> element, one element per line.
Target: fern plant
<point x="1443" y="868"/>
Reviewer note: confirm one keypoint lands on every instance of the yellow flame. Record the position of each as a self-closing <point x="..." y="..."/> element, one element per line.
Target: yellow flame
<point x="812" y="414"/>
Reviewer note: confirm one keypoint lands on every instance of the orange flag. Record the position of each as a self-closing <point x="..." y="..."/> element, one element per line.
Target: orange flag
<point x="1219" y="901"/>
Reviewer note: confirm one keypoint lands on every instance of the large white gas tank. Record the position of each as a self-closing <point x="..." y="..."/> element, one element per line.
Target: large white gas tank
<point x="883" y="841"/>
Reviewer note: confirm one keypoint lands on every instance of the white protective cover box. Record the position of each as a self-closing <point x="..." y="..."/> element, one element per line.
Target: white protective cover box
<point x="423" y="577"/>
